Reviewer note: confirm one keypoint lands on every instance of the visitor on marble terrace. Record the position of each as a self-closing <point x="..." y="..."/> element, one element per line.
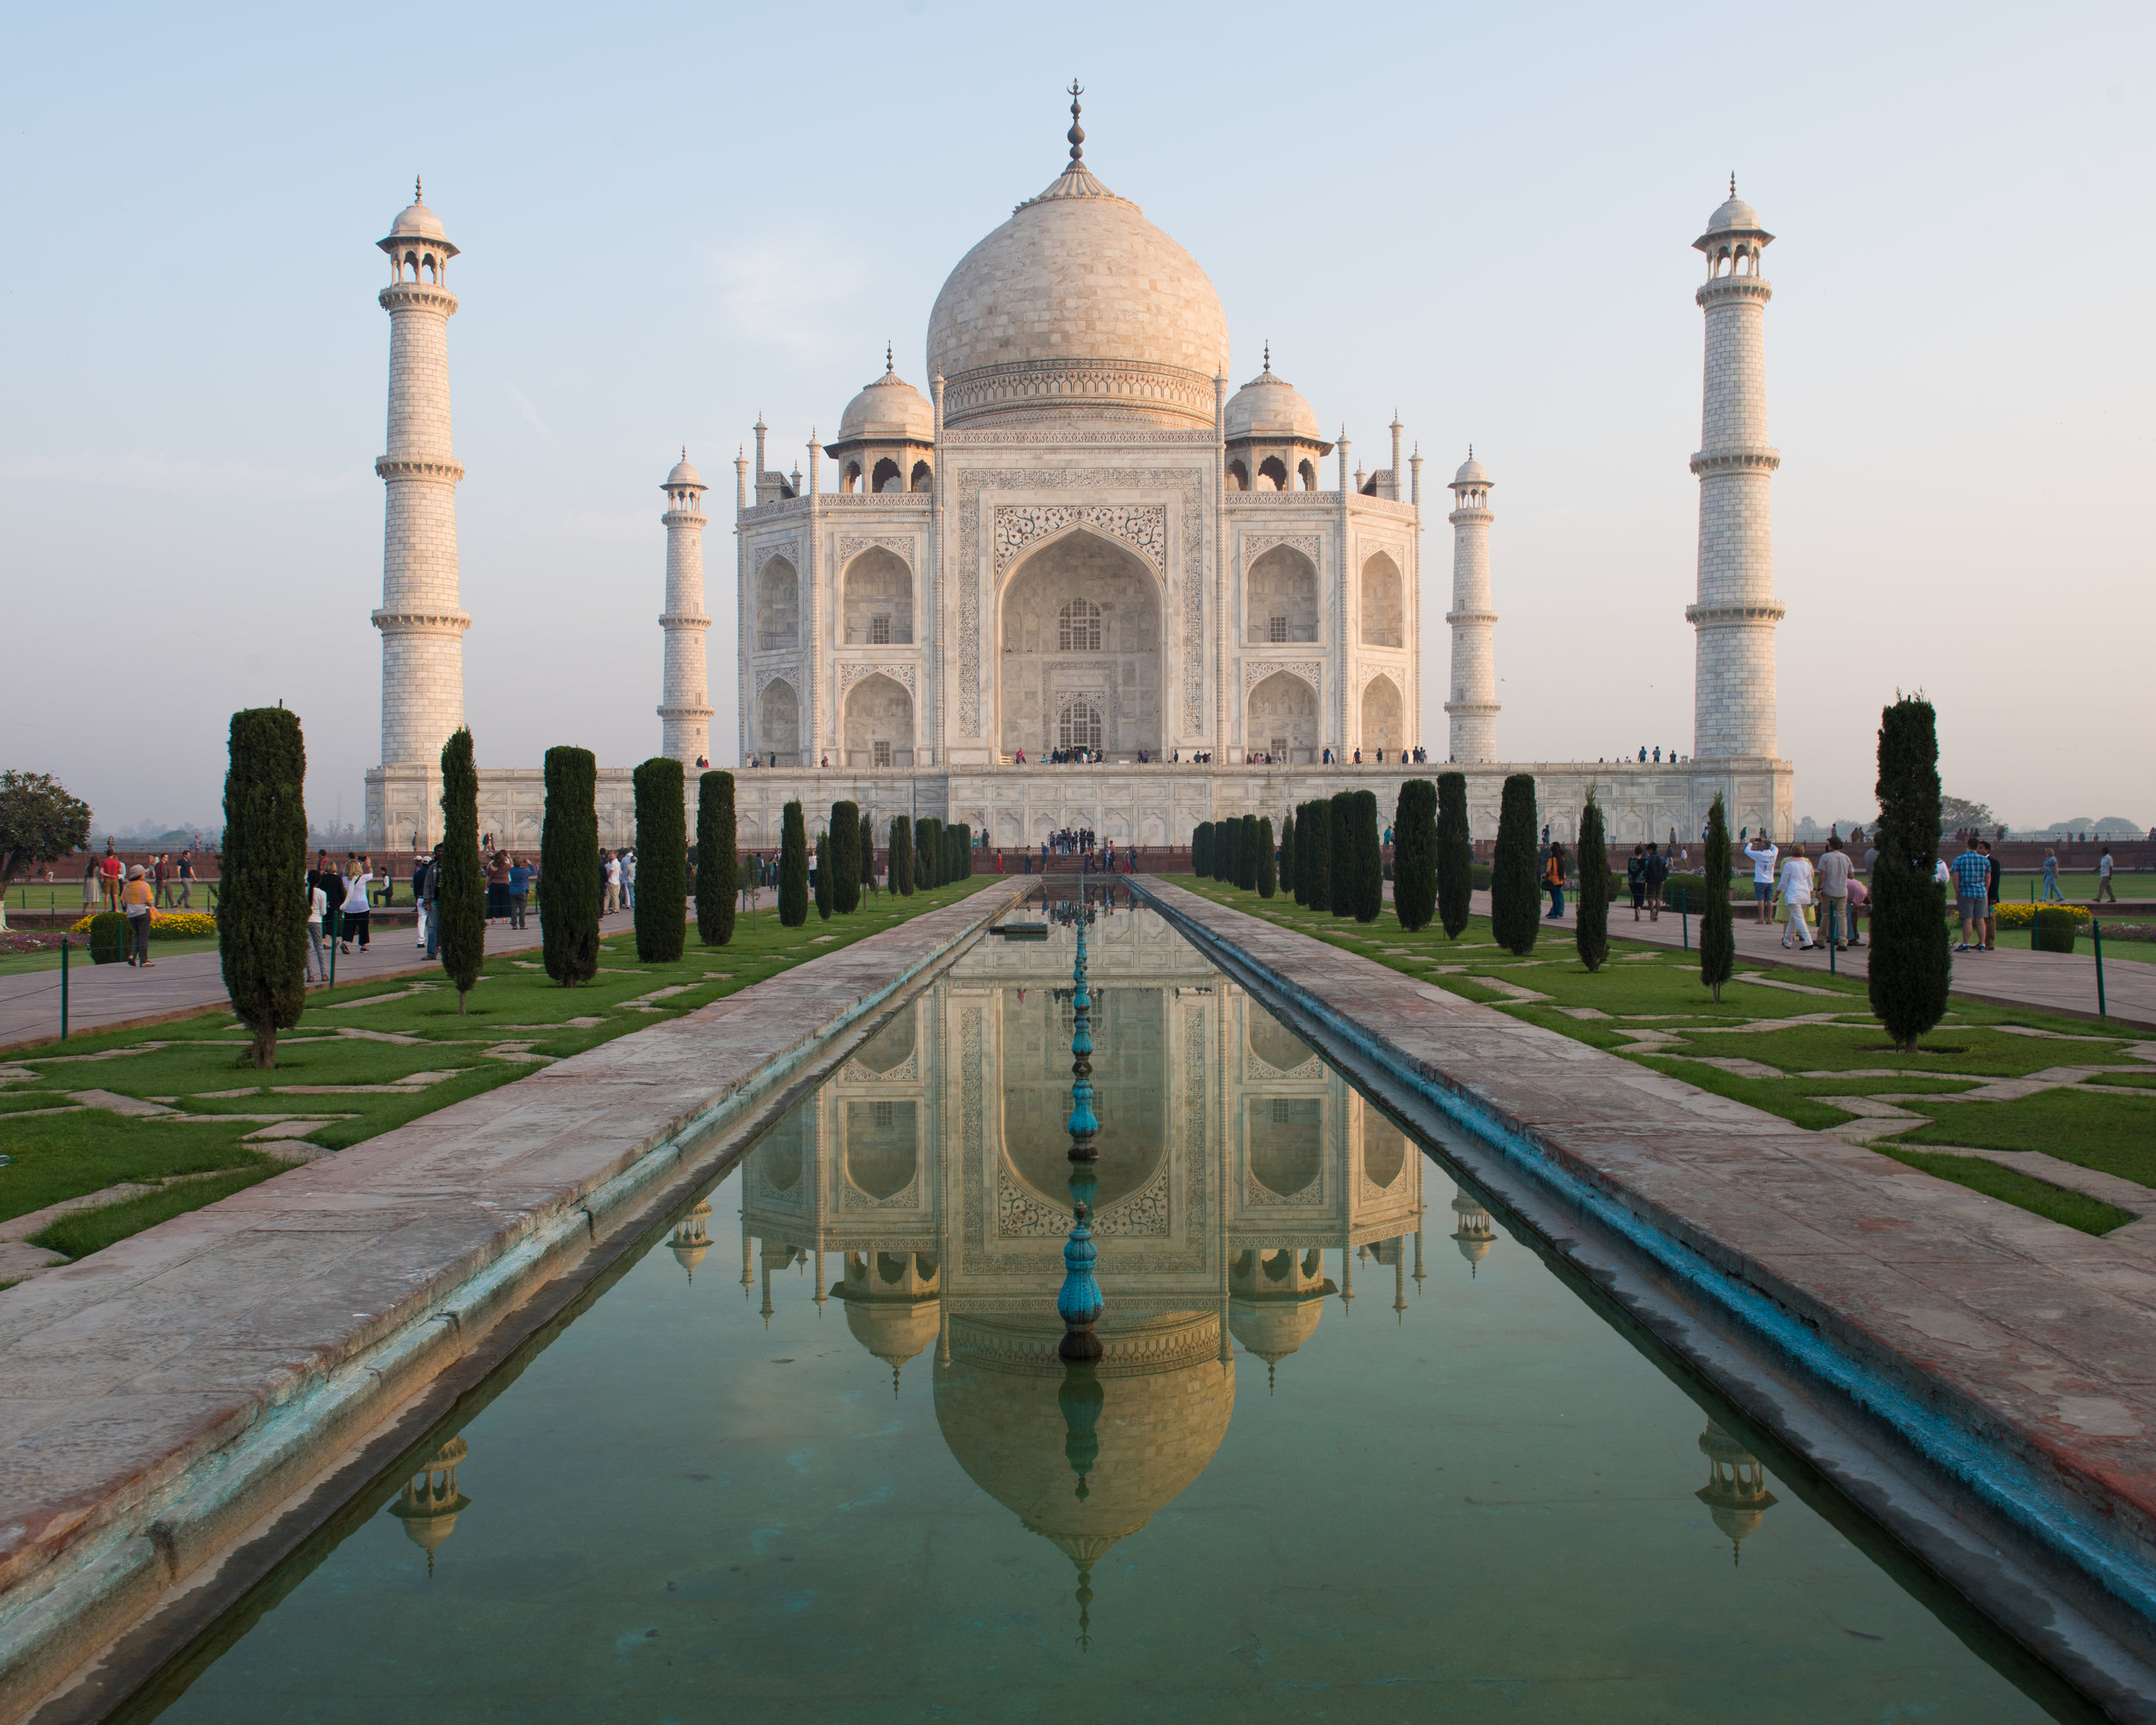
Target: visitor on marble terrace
<point x="1094" y="757"/>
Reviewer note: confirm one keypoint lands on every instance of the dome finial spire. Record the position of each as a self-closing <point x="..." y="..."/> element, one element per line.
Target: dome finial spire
<point x="417" y="198"/>
<point x="1268" y="355"/>
<point x="1077" y="133"/>
<point x="1733" y="182"/>
<point x="890" y="364"/>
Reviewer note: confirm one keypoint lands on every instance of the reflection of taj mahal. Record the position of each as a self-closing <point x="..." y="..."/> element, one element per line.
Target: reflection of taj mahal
<point x="1082" y="537"/>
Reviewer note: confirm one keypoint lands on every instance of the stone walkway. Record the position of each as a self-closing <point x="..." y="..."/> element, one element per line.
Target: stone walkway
<point x="267" y="1329"/>
<point x="2026" y="1331"/>
<point x="120" y="997"/>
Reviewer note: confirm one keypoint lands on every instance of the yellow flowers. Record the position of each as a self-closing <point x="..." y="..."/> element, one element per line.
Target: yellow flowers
<point x="171" y="925"/>
<point x="2017" y="915"/>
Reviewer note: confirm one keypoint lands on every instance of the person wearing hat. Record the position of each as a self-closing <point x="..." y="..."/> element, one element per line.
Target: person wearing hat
<point x="136" y="897"/>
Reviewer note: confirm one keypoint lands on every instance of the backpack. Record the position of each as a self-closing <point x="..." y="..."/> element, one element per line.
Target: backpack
<point x="1657" y="869"/>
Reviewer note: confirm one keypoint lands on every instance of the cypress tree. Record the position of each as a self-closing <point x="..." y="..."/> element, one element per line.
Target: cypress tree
<point x="867" y="828"/>
<point x="1340" y="858"/>
<point x="461" y="899"/>
<point x="845" y="849"/>
<point x="1287" y="856"/>
<point x="1313" y="867"/>
<point x="1415" y="854"/>
<point x="718" y="871"/>
<point x="823" y="877"/>
<point x="262" y="904"/>
<point x="1515" y="896"/>
<point x="1591" y="932"/>
<point x="1456" y="854"/>
<point x="928" y="853"/>
<point x="794" y="900"/>
<point x="961" y="852"/>
<point x="662" y="859"/>
<point x="571" y="884"/>
<point x="1717" y="939"/>
<point x="1202" y="849"/>
<point x="1369" y="855"/>
<point x="1228" y="852"/>
<point x="901" y="857"/>
<point x="1247" y="879"/>
<point x="1268" y="869"/>
<point x="1911" y="962"/>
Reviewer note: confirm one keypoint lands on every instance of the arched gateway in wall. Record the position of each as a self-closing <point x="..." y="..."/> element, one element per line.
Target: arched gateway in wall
<point x="1080" y="658"/>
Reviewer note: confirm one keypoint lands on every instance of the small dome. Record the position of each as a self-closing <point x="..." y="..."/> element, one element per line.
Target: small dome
<point x="1270" y="406"/>
<point x="684" y="474"/>
<point x="417" y="221"/>
<point x="1471" y="472"/>
<point x="889" y="410"/>
<point x="1734" y="213"/>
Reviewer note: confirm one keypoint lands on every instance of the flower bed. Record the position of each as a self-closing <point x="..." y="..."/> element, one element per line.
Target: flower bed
<point x="2018" y="915"/>
<point x="171" y="925"/>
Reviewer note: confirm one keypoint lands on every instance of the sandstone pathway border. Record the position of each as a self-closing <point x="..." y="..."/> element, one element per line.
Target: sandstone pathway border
<point x="162" y="1400"/>
<point x="1979" y="1380"/>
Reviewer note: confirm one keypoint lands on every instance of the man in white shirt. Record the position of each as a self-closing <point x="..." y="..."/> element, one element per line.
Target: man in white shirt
<point x="612" y="895"/>
<point x="1764" y="853"/>
<point x="1833" y="873"/>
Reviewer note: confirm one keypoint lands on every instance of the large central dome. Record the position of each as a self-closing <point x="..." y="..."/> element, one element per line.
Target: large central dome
<point x="1079" y="305"/>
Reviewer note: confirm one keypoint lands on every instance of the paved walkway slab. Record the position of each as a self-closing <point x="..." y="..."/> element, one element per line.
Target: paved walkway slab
<point x="157" y="1396"/>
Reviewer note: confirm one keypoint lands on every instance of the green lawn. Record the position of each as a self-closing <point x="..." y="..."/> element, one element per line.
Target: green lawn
<point x="15" y="964"/>
<point x="2075" y="1209"/>
<point x="515" y="1012"/>
<point x="1650" y="988"/>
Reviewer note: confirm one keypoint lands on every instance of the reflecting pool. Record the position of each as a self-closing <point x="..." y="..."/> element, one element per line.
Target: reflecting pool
<point x="1353" y="1450"/>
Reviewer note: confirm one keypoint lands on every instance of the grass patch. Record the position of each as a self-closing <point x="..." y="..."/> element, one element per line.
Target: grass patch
<point x="1776" y="1096"/>
<point x="2090" y="1215"/>
<point x="2111" y="1133"/>
<point x="58" y="1157"/>
<point x="1956" y="1049"/>
<point x="2131" y="1080"/>
<point x="84" y="1231"/>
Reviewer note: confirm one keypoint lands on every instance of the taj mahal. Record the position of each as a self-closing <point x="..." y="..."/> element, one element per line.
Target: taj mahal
<point x="1081" y="581"/>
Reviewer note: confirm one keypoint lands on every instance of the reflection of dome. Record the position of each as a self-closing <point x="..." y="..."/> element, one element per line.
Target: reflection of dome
<point x="1168" y="1396"/>
<point x="692" y="1239"/>
<point x="1475" y="1232"/>
<point x="430" y="1502"/>
<point x="890" y="410"/>
<point x="892" y="1330"/>
<point x="1272" y="1329"/>
<point x="1078" y="304"/>
<point x="1736" y="1492"/>
<point x="1270" y="406"/>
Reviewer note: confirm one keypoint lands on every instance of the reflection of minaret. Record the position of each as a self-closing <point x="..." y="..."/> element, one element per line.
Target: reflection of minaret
<point x="894" y="1304"/>
<point x="748" y="1270"/>
<point x="1420" y="1273"/>
<point x="1276" y="1299"/>
<point x="1736" y="1492"/>
<point x="1474" y="1234"/>
<point x="692" y="1239"/>
<point x="429" y="1503"/>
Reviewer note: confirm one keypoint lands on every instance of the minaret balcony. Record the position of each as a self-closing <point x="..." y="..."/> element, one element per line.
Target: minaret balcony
<point x="1726" y="616"/>
<point x="1757" y="460"/>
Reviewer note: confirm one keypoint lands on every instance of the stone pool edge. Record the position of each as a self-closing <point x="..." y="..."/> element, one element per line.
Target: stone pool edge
<point x="69" y="1594"/>
<point x="2032" y="1556"/>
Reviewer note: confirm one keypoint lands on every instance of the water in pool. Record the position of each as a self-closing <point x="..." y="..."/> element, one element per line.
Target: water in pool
<point x="1357" y="1453"/>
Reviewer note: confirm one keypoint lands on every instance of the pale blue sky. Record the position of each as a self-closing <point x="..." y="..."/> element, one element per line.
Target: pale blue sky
<point x="671" y="219"/>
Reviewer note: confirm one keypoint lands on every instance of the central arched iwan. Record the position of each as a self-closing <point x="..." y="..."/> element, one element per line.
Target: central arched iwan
<point x="1080" y="623"/>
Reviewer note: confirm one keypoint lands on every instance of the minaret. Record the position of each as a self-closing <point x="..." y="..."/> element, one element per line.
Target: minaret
<point x="1474" y="704"/>
<point x="685" y="712"/>
<point x="422" y="621"/>
<point x="1733" y="696"/>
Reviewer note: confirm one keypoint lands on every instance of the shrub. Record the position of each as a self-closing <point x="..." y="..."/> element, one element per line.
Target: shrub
<point x="794" y="900"/>
<point x="1456" y="862"/>
<point x="1246" y="877"/>
<point x="111" y="936"/>
<point x="662" y="859"/>
<point x="1591" y="934"/>
<point x="262" y="938"/>
<point x="823" y="877"/>
<point x="902" y="855"/>
<point x="867" y="828"/>
<point x="961" y="843"/>
<point x="1688" y="892"/>
<point x="1515" y="896"/>
<point x="1238" y="842"/>
<point x="1340" y="853"/>
<point x="1717" y="939"/>
<point x="1268" y="867"/>
<point x="2055" y="929"/>
<point x="717" y="860"/>
<point x="845" y="853"/>
<point x="1415" y="854"/>
<point x="1911" y="965"/>
<point x="461" y="900"/>
<point x="1366" y="856"/>
<point x="570" y="879"/>
<point x="1288" y="855"/>
<point x="1314" y="865"/>
<point x="1200" y="849"/>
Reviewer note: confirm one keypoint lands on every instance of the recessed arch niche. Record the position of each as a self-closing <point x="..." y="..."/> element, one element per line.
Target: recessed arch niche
<point x="1284" y="719"/>
<point x="879" y="723"/>
<point x="1281" y="597"/>
<point x="876" y="599"/>
<point x="1383" y="715"/>
<point x="1063" y="599"/>
<point x="1384" y="610"/>
<point x="778" y="723"/>
<point x="1286" y="1135"/>
<point x="1131" y="1101"/>
<point x="778" y="607"/>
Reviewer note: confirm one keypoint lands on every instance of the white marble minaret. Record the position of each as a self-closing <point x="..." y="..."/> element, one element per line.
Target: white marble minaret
<point x="1474" y="704"/>
<point x="684" y="709"/>
<point x="1734" y="618"/>
<point x="421" y="618"/>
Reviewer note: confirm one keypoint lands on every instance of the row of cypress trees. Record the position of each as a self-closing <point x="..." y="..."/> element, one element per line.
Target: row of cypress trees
<point x="923" y="854"/>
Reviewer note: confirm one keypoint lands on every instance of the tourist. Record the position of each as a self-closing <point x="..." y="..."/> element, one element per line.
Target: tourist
<point x="1796" y="894"/>
<point x="629" y="880"/>
<point x="1656" y="872"/>
<point x="2051" y="878"/>
<point x="519" y="891"/>
<point x="1833" y="891"/>
<point x="1553" y="876"/>
<point x="157" y="879"/>
<point x="91" y="875"/>
<point x="1763" y="855"/>
<point x="135" y="898"/>
<point x="1860" y="896"/>
<point x="1636" y="878"/>
<point x="356" y="901"/>
<point x="419" y="867"/>
<point x="1991" y="897"/>
<point x="111" y="871"/>
<point x="1972" y="879"/>
<point x="2104" y="889"/>
<point x="317" y="968"/>
<point x="497" y="886"/>
<point x="609" y="893"/>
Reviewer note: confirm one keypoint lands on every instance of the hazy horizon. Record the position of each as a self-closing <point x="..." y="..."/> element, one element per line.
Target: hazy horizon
<point x="1484" y="220"/>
